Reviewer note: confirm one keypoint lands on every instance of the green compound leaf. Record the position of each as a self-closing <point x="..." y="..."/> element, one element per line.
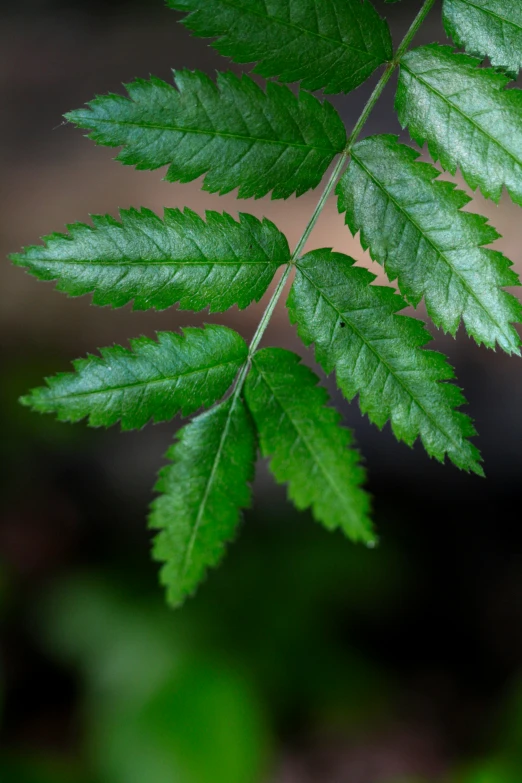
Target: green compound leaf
<point x="334" y="45"/>
<point x="487" y="28"/>
<point x="414" y="226"/>
<point x="203" y="491"/>
<point x="234" y="132"/>
<point x="466" y="115"/>
<point x="155" y="263"/>
<point x="151" y="381"/>
<point x="376" y="354"/>
<point x="309" y="449"/>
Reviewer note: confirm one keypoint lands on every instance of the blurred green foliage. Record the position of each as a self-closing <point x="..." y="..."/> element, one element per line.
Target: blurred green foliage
<point x="153" y="711"/>
<point x="194" y="696"/>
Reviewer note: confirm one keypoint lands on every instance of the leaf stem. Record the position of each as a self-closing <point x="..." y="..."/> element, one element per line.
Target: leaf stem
<point x="413" y="30"/>
<point x="256" y="339"/>
<point x="330" y="185"/>
<point x="385" y="78"/>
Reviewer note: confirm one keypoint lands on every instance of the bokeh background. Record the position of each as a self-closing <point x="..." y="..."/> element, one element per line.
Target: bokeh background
<point x="304" y="658"/>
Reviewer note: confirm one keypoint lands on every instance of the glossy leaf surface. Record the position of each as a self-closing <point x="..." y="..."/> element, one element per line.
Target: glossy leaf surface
<point x="237" y="134"/>
<point x="487" y="28"/>
<point x="307" y="446"/>
<point x="151" y="381"/>
<point x="202" y="492"/>
<point x="467" y="116"/>
<point x="414" y="225"/>
<point x="157" y="263"/>
<point x="334" y="45"/>
<point x="377" y="355"/>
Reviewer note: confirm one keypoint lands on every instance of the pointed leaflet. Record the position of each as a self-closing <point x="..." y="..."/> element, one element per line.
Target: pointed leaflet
<point x="334" y="45"/>
<point x="413" y="224"/>
<point x="152" y="380"/>
<point x="309" y="449"/>
<point x="376" y="354"/>
<point x="487" y="28"/>
<point x="203" y="491"/>
<point x="466" y="115"/>
<point x="234" y="132"/>
<point x="155" y="263"/>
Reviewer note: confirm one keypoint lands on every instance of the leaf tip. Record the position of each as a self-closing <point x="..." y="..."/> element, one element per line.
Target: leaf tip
<point x="26" y="400"/>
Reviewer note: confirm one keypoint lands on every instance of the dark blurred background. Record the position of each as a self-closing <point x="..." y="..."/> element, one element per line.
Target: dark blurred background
<point x="304" y="658"/>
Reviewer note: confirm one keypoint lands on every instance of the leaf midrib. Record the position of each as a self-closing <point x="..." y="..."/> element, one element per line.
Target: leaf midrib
<point x="456" y="108"/>
<point x="146" y="263"/>
<point x="221" y="134"/>
<point x="306" y="31"/>
<point x="433" y="245"/>
<point x="399" y="380"/>
<point x="224" y="435"/>
<point x="310" y="449"/>
<point x="139" y="384"/>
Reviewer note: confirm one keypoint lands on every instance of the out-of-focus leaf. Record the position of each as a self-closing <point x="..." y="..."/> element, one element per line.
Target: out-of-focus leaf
<point x="203" y="725"/>
<point x="154" y="712"/>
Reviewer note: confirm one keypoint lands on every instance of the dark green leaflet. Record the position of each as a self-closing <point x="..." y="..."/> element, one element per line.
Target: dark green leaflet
<point x="466" y="115"/>
<point x="237" y="134"/>
<point x="487" y="28"/>
<point x="308" y="448"/>
<point x="151" y="262"/>
<point x="377" y="355"/>
<point x="202" y="492"/>
<point x="333" y="45"/>
<point x="414" y="225"/>
<point x="153" y="381"/>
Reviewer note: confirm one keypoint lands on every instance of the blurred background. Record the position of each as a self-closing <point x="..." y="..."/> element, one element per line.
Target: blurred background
<point x="304" y="658"/>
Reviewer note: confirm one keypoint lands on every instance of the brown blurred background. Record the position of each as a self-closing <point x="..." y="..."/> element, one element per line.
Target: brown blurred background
<point x="366" y="667"/>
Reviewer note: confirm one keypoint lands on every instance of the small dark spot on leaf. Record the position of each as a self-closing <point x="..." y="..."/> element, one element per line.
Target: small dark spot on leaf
<point x="342" y="324"/>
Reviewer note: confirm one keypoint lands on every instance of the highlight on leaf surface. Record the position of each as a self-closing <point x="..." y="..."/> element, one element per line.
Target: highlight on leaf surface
<point x="334" y="46"/>
<point x="467" y="116"/>
<point x="487" y="28"/>
<point x="157" y="263"/>
<point x="235" y="133"/>
<point x="377" y="355"/>
<point x="154" y="380"/>
<point x="202" y="492"/>
<point x="414" y="225"/>
<point x="307" y="446"/>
